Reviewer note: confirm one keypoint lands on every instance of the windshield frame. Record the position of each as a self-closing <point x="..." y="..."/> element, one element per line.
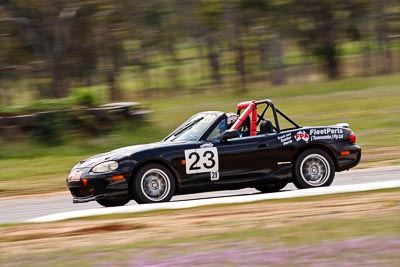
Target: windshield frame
<point x="180" y="130"/>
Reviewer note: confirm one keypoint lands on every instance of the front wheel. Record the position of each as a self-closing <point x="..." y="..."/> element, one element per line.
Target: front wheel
<point x="153" y="183"/>
<point x="313" y="168"/>
<point x="113" y="202"/>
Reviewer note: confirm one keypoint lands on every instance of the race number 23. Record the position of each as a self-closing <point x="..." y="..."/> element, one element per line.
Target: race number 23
<point x="201" y="160"/>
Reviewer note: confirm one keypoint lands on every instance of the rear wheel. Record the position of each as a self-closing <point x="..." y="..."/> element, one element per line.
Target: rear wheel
<point x="153" y="183"/>
<point x="313" y="168"/>
<point x="270" y="188"/>
<point x="113" y="202"/>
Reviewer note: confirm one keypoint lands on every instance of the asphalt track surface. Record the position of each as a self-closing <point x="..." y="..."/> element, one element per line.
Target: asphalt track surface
<point x="24" y="208"/>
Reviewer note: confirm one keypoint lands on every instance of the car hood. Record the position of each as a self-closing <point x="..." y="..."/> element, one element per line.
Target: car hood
<point x="118" y="154"/>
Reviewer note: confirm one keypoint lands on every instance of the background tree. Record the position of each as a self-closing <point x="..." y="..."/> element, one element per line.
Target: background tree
<point x="45" y="29"/>
<point x="318" y="30"/>
<point x="162" y="47"/>
<point x="211" y="15"/>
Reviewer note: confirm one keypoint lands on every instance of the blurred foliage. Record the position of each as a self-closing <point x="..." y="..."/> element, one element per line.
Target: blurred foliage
<point x="52" y="121"/>
<point x="78" y="98"/>
<point x="51" y="125"/>
<point x="184" y="46"/>
<point x="48" y="105"/>
<point x="84" y="97"/>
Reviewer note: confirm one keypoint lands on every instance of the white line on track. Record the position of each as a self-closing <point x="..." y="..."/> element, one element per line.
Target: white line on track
<point x="223" y="200"/>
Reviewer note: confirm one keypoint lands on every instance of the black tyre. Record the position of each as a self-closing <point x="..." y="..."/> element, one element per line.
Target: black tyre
<point x="153" y="183"/>
<point x="113" y="202"/>
<point x="313" y="168"/>
<point x="270" y="188"/>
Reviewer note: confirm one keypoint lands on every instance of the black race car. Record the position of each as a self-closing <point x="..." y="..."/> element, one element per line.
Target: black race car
<point x="259" y="147"/>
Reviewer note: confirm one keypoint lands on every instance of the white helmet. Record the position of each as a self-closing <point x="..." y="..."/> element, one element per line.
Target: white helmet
<point x="231" y="119"/>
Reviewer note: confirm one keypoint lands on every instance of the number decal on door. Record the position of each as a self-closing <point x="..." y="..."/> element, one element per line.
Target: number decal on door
<point x="201" y="160"/>
<point x="210" y="163"/>
<point x="196" y="158"/>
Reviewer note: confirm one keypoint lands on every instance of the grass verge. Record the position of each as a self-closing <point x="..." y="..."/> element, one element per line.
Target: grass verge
<point x="370" y="105"/>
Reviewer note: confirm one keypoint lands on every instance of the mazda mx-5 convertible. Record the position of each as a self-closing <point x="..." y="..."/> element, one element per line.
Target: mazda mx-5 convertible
<point x="258" y="147"/>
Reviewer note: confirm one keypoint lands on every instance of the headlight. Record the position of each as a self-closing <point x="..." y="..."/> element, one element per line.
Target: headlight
<point x="105" y="166"/>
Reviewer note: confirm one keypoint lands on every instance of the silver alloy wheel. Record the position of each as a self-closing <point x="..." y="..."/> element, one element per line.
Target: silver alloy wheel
<point x="315" y="170"/>
<point x="155" y="184"/>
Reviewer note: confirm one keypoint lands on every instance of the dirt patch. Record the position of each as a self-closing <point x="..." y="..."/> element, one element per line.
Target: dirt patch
<point x="48" y="237"/>
<point x="57" y="232"/>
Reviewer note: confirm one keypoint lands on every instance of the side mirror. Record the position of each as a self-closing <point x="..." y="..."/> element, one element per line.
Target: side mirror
<point x="229" y="135"/>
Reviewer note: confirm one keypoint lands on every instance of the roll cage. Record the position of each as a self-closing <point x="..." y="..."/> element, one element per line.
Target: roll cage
<point x="251" y="116"/>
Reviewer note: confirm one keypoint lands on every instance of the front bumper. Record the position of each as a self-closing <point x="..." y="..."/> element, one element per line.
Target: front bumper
<point x="96" y="197"/>
<point x="92" y="186"/>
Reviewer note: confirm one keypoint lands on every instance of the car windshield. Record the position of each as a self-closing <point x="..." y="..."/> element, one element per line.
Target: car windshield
<point x="193" y="128"/>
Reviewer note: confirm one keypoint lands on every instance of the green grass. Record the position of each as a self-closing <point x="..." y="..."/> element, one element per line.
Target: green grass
<point x="370" y="105"/>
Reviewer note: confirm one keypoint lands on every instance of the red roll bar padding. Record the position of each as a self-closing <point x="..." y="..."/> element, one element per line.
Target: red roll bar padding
<point x="253" y="124"/>
<point x="245" y="104"/>
<point x="249" y="107"/>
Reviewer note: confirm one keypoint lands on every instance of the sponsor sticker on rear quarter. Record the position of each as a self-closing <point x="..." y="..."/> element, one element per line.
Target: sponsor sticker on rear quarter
<point x="326" y="134"/>
<point x="302" y="135"/>
<point x="285" y="139"/>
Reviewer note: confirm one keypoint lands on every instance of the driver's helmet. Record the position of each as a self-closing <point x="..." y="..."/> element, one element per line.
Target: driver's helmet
<point x="231" y="119"/>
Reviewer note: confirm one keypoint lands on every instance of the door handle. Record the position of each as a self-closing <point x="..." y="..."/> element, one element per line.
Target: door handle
<point x="263" y="145"/>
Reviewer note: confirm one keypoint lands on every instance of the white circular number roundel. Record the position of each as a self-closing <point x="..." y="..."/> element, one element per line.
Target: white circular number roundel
<point x="202" y="160"/>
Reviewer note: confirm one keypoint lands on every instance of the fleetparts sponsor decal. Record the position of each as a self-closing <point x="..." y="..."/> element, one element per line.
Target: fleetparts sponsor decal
<point x="326" y="134"/>
<point x="318" y="134"/>
<point x="315" y="134"/>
